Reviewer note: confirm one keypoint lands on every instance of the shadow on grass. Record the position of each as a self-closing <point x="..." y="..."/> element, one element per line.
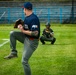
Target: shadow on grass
<point x="58" y="44"/>
<point x="55" y="44"/>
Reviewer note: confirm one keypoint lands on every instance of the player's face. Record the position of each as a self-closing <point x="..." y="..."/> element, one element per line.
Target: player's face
<point x="47" y="27"/>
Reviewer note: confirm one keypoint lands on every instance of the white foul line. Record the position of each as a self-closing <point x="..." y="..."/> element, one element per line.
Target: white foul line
<point x="4" y="42"/>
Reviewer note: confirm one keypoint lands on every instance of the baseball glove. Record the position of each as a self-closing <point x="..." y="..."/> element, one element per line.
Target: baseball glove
<point x="19" y="21"/>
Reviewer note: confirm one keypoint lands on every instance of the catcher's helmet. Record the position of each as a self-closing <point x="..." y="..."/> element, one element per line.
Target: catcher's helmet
<point x="47" y="24"/>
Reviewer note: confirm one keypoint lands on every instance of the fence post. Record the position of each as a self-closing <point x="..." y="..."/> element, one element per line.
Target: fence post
<point x="61" y="15"/>
<point x="48" y="14"/>
<point x="8" y="15"/>
<point x="35" y="11"/>
<point x="72" y="11"/>
<point x="22" y="15"/>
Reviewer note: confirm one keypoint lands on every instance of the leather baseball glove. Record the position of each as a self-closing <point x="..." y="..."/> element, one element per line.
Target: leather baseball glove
<point x="19" y="21"/>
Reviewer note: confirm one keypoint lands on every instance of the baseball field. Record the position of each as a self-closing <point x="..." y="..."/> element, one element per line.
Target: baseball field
<point x="57" y="59"/>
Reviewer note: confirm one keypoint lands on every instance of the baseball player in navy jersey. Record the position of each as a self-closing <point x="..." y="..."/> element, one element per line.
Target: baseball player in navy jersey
<point x="29" y="36"/>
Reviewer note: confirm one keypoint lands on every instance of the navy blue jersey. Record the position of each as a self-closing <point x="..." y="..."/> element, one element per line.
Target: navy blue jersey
<point x="32" y="23"/>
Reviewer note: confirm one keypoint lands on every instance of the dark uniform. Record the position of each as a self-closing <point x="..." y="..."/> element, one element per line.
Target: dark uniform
<point x="31" y="42"/>
<point x="32" y="23"/>
<point x="47" y="35"/>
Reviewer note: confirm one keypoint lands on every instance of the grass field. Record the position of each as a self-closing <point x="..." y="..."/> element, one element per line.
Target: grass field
<point x="57" y="59"/>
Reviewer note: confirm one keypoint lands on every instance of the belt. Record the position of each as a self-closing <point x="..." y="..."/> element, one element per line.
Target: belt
<point x="32" y="38"/>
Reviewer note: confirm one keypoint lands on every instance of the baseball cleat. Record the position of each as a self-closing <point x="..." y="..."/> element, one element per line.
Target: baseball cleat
<point x="10" y="56"/>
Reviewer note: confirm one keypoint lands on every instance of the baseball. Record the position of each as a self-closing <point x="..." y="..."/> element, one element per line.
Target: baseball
<point x="18" y="26"/>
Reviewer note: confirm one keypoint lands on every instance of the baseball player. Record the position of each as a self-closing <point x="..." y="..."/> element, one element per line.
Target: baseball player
<point x="47" y="35"/>
<point x="29" y="36"/>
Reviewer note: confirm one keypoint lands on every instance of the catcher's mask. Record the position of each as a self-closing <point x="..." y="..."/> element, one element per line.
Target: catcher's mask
<point x="48" y="24"/>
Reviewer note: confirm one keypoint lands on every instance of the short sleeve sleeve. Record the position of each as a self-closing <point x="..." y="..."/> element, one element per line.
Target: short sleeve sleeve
<point x="34" y="25"/>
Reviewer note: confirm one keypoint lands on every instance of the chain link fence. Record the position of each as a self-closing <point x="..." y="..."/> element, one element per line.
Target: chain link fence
<point x="46" y="11"/>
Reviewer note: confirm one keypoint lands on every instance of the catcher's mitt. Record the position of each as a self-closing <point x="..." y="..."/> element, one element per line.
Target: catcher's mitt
<point x="19" y="21"/>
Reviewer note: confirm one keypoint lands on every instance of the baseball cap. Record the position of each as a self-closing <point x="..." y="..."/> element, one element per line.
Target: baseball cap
<point x="27" y="5"/>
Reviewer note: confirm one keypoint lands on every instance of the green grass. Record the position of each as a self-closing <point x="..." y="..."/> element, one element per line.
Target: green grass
<point x="57" y="59"/>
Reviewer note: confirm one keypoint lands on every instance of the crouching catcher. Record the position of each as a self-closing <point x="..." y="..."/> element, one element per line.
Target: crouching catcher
<point x="47" y="35"/>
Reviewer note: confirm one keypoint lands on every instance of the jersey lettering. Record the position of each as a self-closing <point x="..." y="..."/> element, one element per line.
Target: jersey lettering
<point x="26" y="26"/>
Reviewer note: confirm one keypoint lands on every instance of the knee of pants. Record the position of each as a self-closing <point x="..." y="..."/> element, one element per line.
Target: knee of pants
<point x="24" y="61"/>
<point x="12" y="33"/>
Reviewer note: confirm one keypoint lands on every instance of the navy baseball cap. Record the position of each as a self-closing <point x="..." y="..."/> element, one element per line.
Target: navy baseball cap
<point x="27" y="5"/>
